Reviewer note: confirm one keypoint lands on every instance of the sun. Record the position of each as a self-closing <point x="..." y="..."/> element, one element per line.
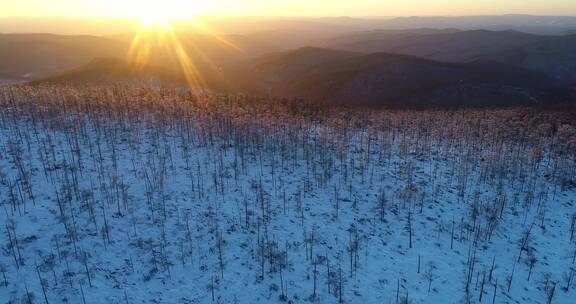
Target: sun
<point x="158" y="14"/>
<point x="154" y="21"/>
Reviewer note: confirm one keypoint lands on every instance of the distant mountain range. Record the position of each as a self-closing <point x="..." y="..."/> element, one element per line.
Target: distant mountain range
<point x="244" y="25"/>
<point x="546" y="25"/>
<point x="31" y="56"/>
<point x="35" y="56"/>
<point x="400" y="80"/>
<point x="383" y="67"/>
<point x="555" y="57"/>
<point x="108" y="70"/>
<point x="444" y="45"/>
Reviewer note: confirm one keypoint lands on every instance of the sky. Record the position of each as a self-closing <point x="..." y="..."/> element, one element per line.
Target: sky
<point x="184" y="8"/>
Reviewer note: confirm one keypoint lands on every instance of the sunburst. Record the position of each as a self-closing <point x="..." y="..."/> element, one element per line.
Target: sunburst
<point x="158" y="35"/>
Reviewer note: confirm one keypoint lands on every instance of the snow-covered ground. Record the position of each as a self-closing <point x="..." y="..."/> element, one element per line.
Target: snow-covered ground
<point x="211" y="208"/>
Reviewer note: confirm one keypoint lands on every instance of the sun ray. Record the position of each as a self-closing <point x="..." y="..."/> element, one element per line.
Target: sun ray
<point x="159" y="43"/>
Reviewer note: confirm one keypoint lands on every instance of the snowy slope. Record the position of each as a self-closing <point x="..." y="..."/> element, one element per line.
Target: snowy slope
<point x="224" y="204"/>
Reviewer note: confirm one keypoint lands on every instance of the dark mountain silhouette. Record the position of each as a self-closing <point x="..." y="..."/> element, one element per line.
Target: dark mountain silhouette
<point x="379" y="79"/>
<point x="233" y="79"/>
<point x="102" y="70"/>
<point x="552" y="56"/>
<point x="36" y="56"/>
<point x="383" y="79"/>
<point x="487" y="68"/>
<point x="112" y="70"/>
<point x="555" y="58"/>
<point x="442" y="45"/>
<point x="359" y="37"/>
<point x="295" y="62"/>
<point x="545" y="25"/>
<point x="295" y="33"/>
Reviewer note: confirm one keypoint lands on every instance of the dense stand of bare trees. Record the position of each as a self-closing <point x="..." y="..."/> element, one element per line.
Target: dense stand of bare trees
<point x="285" y="192"/>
